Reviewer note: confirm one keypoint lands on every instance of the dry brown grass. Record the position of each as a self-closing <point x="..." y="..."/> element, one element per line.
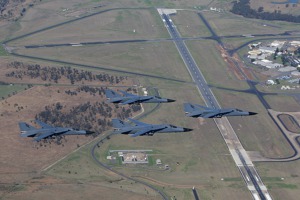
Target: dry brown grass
<point x="22" y="155"/>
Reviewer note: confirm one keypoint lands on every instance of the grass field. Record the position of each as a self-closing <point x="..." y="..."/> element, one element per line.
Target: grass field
<point x="257" y="133"/>
<point x="213" y="66"/>
<point x="2" y="51"/>
<point x="113" y="25"/>
<point x="282" y="103"/>
<point x="189" y="24"/>
<point x="229" y="24"/>
<point x="6" y="90"/>
<point x="272" y="173"/>
<point x="149" y="58"/>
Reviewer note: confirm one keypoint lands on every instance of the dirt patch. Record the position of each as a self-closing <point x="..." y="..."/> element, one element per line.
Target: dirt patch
<point x="235" y="65"/>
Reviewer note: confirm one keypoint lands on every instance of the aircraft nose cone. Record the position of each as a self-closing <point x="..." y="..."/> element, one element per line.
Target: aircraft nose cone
<point x="89" y="132"/>
<point x="171" y="100"/>
<point x="252" y="113"/>
<point x="187" y="129"/>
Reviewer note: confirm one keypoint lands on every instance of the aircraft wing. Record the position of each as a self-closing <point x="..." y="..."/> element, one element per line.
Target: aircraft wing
<point x="44" y="135"/>
<point x="215" y="114"/>
<point x="127" y="94"/>
<point x="43" y="124"/>
<point x="145" y="131"/>
<point x="141" y="132"/>
<point x="137" y="122"/>
<point x="136" y="98"/>
<point x="129" y="101"/>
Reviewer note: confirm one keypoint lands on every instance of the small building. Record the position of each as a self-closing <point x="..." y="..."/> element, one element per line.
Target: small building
<point x="265" y="49"/>
<point x="273" y="65"/>
<point x="270" y="82"/>
<point x="158" y="162"/>
<point x="277" y="44"/>
<point x="108" y="157"/>
<point x="255" y="52"/>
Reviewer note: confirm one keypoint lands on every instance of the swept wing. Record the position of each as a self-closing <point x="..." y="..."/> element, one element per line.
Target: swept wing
<point x="44" y="135"/>
<point x="145" y="131"/>
<point x="43" y="125"/>
<point x="138" y="122"/>
<point x="127" y="94"/>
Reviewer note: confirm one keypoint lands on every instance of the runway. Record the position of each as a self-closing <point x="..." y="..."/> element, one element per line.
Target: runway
<point x="240" y="156"/>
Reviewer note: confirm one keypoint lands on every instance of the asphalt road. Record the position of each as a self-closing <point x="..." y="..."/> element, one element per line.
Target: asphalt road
<point x="243" y="162"/>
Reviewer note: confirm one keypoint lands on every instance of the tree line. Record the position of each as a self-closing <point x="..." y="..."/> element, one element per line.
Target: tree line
<point x="242" y="7"/>
<point x="54" y="74"/>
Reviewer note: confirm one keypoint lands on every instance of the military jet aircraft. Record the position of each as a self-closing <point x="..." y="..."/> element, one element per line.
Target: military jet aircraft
<point x="141" y="128"/>
<point x="128" y="98"/>
<point x="195" y="110"/>
<point x="47" y="131"/>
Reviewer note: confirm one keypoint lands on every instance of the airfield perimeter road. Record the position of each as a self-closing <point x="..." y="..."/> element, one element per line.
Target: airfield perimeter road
<point x="97" y="160"/>
<point x="240" y="156"/>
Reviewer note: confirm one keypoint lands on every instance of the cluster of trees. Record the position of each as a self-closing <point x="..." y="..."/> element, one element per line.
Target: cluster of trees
<point x="54" y="74"/>
<point x="3" y="4"/>
<point x="242" y="7"/>
<point x="13" y="9"/>
<point x="88" y="116"/>
<point x="92" y="90"/>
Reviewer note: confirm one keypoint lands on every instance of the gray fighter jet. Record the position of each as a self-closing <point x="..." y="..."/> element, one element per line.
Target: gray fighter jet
<point x="195" y="110"/>
<point x="141" y="128"/>
<point x="47" y="131"/>
<point x="128" y="98"/>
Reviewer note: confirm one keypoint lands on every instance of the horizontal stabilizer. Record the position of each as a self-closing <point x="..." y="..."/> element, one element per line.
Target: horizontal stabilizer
<point x="111" y="94"/>
<point x="117" y="124"/>
<point x="25" y="127"/>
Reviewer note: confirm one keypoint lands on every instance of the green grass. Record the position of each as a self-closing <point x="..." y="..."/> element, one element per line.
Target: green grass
<point x="232" y="179"/>
<point x="282" y="185"/>
<point x="6" y="90"/>
<point x="212" y="65"/>
<point x="272" y="179"/>
<point x="2" y="51"/>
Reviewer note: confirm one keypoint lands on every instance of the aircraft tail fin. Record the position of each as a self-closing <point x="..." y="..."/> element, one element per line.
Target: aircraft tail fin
<point x="111" y="94"/>
<point x="25" y="127"/>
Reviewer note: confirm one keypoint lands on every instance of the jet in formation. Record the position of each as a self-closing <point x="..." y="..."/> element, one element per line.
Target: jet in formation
<point x="143" y="129"/>
<point x="128" y="98"/>
<point x="47" y="131"/>
<point x="195" y="110"/>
